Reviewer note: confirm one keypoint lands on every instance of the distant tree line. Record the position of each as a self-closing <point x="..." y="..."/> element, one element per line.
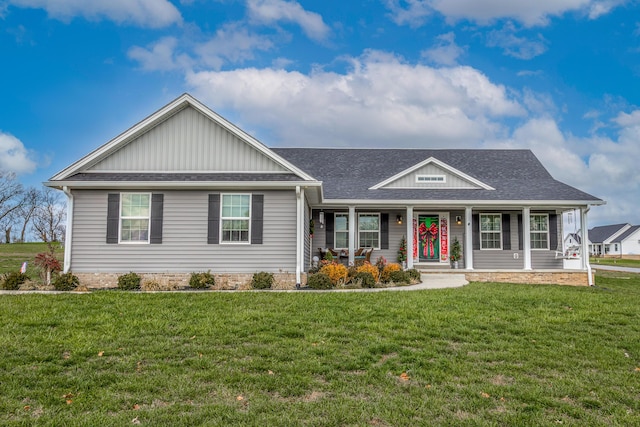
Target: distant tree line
<point x="26" y="212"/>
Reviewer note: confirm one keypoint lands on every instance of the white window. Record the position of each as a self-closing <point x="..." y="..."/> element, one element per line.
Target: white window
<point x="369" y="230"/>
<point x="135" y="212"/>
<point x="341" y="230"/>
<point x="440" y="179"/>
<point x="235" y="218"/>
<point x="539" y="229"/>
<point x="490" y="231"/>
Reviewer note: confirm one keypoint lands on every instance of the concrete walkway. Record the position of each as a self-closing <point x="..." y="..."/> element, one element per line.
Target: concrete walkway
<point x="615" y="268"/>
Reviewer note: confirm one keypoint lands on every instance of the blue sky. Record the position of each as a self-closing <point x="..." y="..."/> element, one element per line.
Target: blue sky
<point x="559" y="77"/>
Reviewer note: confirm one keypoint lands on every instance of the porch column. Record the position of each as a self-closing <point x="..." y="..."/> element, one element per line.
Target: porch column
<point x="299" y="234"/>
<point x="526" y="237"/>
<point x="468" y="238"/>
<point x="584" y="238"/>
<point x="352" y="233"/>
<point x="410" y="232"/>
<point x="69" y="230"/>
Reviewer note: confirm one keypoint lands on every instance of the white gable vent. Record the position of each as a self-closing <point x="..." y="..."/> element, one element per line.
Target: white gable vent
<point x="431" y="179"/>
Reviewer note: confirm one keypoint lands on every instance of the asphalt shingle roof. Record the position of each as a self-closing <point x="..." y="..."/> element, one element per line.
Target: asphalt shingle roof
<point x="627" y="233"/>
<point x="349" y="173"/>
<point x="602" y="233"/>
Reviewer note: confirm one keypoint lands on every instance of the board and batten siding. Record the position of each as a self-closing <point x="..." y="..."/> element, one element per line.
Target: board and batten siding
<point x="409" y="181"/>
<point x="188" y="141"/>
<point x="184" y="247"/>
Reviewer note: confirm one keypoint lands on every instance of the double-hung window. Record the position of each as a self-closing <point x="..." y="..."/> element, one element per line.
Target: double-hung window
<point x="341" y="230"/>
<point x="490" y="231"/>
<point x="369" y="230"/>
<point x="539" y="230"/>
<point x="135" y="213"/>
<point x="236" y="217"/>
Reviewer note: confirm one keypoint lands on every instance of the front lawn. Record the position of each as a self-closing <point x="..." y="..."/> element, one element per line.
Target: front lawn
<point x="484" y="354"/>
<point x="615" y="261"/>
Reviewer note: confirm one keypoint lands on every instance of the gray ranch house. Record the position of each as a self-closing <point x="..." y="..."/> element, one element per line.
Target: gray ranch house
<point x="184" y="191"/>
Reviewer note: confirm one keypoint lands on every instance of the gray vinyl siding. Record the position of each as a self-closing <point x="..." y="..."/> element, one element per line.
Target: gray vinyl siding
<point x="409" y="181"/>
<point x="184" y="245"/>
<point x="188" y="141"/>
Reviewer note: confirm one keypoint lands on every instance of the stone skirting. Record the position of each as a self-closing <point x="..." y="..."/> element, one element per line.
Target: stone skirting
<point x="174" y="281"/>
<point x="546" y="277"/>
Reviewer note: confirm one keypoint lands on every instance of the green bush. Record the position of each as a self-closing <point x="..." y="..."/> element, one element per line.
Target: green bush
<point x="129" y="282"/>
<point x="12" y="281"/>
<point x="414" y="274"/>
<point x="365" y="279"/>
<point x="319" y="281"/>
<point x="399" y="277"/>
<point x="202" y="280"/>
<point x="65" y="282"/>
<point x="262" y="280"/>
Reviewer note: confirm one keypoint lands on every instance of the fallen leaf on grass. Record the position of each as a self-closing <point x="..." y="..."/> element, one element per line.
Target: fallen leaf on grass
<point x="270" y="372"/>
<point x="485" y="395"/>
<point x="637" y="369"/>
<point x="626" y="355"/>
<point x="193" y="337"/>
<point x="404" y="376"/>
<point x="67" y="396"/>
<point x="135" y="421"/>
<point x="66" y="355"/>
<point x="100" y="353"/>
<point x="69" y="401"/>
<point x="427" y="386"/>
<point x="239" y="398"/>
<point x="27" y="408"/>
<point x="136" y="407"/>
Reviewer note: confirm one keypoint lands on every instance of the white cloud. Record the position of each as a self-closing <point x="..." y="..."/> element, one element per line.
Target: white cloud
<point x="380" y="101"/>
<point x="232" y="43"/>
<point x="445" y="52"/>
<point x="14" y="157"/>
<point x="274" y="11"/>
<point x="160" y="56"/>
<point x="512" y="45"/>
<point x="145" y="13"/>
<point x="529" y="13"/>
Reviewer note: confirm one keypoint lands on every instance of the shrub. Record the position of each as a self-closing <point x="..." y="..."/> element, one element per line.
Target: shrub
<point x="202" y="280"/>
<point x="65" y="282"/>
<point x="319" y="281"/>
<point x="12" y="281"/>
<point x="129" y="282"/>
<point x="385" y="275"/>
<point x="262" y="280"/>
<point x="367" y="267"/>
<point x="337" y="273"/>
<point x="381" y="263"/>
<point x="150" y="285"/>
<point x="399" y="277"/>
<point x="364" y="279"/>
<point x="414" y="274"/>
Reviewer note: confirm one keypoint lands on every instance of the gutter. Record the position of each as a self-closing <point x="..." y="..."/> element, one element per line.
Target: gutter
<point x="69" y="230"/>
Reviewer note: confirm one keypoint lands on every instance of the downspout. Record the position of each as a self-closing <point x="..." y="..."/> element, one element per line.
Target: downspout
<point x="299" y="234"/>
<point x="69" y="230"/>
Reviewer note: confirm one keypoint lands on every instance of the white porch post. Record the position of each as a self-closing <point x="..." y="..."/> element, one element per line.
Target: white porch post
<point x="526" y="237"/>
<point x="584" y="237"/>
<point x="69" y="231"/>
<point x="299" y="234"/>
<point x="410" y="232"/>
<point x="468" y="238"/>
<point x="352" y="233"/>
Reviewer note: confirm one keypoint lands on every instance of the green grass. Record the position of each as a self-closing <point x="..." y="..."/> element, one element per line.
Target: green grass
<point x="615" y="261"/>
<point x="12" y="255"/>
<point x="485" y="354"/>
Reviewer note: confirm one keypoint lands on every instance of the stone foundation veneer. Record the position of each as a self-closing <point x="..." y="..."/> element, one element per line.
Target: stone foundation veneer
<point x="572" y="278"/>
<point x="174" y="281"/>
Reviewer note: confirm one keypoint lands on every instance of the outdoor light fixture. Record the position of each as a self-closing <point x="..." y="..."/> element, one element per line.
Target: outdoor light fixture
<point x="458" y="220"/>
<point x="399" y="219"/>
<point x="321" y="219"/>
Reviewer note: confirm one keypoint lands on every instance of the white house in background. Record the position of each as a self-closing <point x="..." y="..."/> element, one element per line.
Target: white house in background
<point x="572" y="240"/>
<point x="615" y="239"/>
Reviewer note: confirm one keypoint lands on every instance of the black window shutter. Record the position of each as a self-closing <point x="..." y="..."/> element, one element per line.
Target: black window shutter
<point x="328" y="219"/>
<point x="257" y="209"/>
<point x="520" y="235"/>
<point x="475" y="231"/>
<point x="113" y="217"/>
<point x="553" y="232"/>
<point x="213" y="219"/>
<point x="506" y="232"/>
<point x="384" y="231"/>
<point x="157" y="207"/>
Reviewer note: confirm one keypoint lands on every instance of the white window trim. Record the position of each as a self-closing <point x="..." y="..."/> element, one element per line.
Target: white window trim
<point x="539" y="232"/>
<point x="480" y="231"/>
<point x="120" y="218"/>
<point x="223" y="218"/>
<point x="335" y="229"/>
<point x="431" y="179"/>
<point x="379" y="226"/>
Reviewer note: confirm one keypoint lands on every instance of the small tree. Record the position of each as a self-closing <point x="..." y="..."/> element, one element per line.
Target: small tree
<point x="49" y="218"/>
<point x="49" y="264"/>
<point x="402" y="252"/>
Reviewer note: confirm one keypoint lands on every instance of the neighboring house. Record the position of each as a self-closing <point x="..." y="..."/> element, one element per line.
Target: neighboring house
<point x="615" y="240"/>
<point x="185" y="190"/>
<point x="572" y="240"/>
